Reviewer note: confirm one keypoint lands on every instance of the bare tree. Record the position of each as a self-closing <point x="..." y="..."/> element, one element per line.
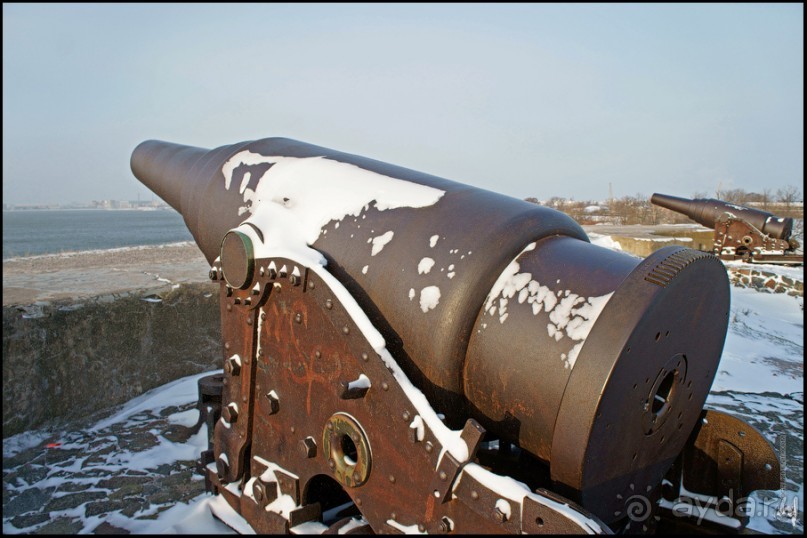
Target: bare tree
<point x="766" y="197"/>
<point x="788" y="195"/>
<point x="735" y="196"/>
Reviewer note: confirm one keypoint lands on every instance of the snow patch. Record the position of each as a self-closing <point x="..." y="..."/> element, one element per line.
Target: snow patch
<point x="296" y="197"/>
<point x="425" y="265"/>
<point x="429" y="298"/>
<point x="571" y="315"/>
<point x="381" y="241"/>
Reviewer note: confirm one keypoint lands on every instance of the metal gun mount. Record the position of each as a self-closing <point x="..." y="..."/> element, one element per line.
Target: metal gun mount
<point x="403" y="353"/>
<point x="741" y="233"/>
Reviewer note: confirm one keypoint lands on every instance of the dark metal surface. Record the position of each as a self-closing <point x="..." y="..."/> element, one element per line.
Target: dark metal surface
<point x="724" y="460"/>
<point x="596" y="406"/>
<point x="707" y="211"/>
<point x="740" y="233"/>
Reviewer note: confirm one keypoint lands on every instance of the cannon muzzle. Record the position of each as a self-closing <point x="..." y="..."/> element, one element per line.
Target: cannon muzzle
<point x="593" y="361"/>
<point x="707" y="211"/>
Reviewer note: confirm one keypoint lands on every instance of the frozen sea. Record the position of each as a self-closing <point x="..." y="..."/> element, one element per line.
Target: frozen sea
<point x="760" y="379"/>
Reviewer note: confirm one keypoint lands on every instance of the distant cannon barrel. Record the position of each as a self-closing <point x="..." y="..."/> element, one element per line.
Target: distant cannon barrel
<point x="594" y="361"/>
<point x="706" y="211"/>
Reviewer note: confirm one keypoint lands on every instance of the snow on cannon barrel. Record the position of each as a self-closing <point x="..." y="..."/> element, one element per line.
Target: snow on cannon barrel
<point x="393" y="339"/>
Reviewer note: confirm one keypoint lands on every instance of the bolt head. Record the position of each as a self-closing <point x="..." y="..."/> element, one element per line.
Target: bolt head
<point x="309" y="447"/>
<point x="232" y="366"/>
<point x="274" y="403"/>
<point x="230" y="413"/>
<point x="221" y="468"/>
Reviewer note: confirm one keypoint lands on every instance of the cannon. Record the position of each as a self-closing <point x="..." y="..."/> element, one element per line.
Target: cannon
<point x="405" y="353"/>
<point x="740" y="233"/>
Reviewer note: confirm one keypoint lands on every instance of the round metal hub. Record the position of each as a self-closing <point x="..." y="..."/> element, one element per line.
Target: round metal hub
<point x="347" y="449"/>
<point x="237" y="259"/>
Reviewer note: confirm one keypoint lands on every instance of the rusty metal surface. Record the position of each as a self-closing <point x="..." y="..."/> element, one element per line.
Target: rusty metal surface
<point x="582" y="405"/>
<point x="309" y="346"/>
<point x="736" y="239"/>
<point x="740" y="233"/>
<point x="708" y="211"/>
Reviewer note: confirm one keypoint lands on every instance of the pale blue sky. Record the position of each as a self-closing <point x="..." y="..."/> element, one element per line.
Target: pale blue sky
<point x="528" y="100"/>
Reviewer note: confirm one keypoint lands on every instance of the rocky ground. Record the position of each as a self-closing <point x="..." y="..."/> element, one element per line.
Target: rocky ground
<point x="117" y="472"/>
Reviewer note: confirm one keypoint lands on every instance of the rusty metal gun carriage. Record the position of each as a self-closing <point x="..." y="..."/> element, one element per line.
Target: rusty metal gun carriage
<point x="404" y="353"/>
<point x="740" y="233"/>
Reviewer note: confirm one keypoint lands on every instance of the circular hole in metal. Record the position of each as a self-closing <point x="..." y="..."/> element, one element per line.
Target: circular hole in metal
<point x="539" y="521"/>
<point x="349" y="451"/>
<point x="662" y="395"/>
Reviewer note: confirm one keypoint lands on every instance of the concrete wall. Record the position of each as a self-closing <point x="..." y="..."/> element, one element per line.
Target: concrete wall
<point x="62" y="360"/>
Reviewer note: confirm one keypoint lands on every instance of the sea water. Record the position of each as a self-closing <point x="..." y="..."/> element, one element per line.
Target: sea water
<point x="33" y="232"/>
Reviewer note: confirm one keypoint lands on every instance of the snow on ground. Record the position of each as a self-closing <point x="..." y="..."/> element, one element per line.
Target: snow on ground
<point x="604" y="241"/>
<point x="133" y="469"/>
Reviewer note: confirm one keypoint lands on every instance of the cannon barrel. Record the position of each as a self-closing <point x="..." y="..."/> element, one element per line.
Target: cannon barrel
<point x="594" y="361"/>
<point x="706" y="211"/>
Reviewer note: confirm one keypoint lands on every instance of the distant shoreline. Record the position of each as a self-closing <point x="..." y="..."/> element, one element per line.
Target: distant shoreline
<point x="73" y="253"/>
<point x="161" y="208"/>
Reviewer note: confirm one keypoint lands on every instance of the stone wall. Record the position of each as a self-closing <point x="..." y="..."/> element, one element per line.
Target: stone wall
<point x="62" y="360"/>
<point x="765" y="281"/>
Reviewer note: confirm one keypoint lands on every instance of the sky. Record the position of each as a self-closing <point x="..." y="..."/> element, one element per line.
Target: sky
<point x="529" y="100"/>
